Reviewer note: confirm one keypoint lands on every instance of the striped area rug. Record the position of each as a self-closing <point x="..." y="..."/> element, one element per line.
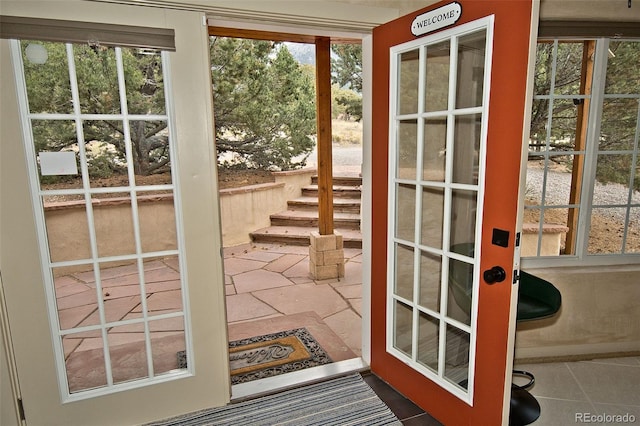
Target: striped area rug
<point x="343" y="401"/>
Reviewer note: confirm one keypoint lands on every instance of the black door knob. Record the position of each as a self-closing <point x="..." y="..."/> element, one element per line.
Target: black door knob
<point x="494" y="275"/>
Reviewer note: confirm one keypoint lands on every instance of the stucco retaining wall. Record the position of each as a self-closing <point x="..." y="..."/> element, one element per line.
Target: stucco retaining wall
<point x="246" y="209"/>
<point x="243" y="210"/>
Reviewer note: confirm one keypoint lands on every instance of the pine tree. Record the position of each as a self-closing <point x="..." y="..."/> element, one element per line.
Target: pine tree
<point x="264" y="103"/>
<point x="49" y="91"/>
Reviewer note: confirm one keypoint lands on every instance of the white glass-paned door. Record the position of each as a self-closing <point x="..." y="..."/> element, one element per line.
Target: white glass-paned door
<point x="99" y="142"/>
<point x="438" y="112"/>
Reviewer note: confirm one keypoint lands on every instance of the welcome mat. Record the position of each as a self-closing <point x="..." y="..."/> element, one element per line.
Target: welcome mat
<point x="271" y="354"/>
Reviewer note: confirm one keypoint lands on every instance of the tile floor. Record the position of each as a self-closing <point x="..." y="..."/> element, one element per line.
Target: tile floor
<point x="572" y="392"/>
<point x="598" y="392"/>
<point x="405" y="410"/>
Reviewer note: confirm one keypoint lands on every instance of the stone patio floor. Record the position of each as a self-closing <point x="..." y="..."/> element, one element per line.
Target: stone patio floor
<point x="268" y="289"/>
<point x="266" y="281"/>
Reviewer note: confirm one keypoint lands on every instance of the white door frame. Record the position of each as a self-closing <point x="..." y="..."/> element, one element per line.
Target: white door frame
<point x="309" y="375"/>
<point x="22" y="278"/>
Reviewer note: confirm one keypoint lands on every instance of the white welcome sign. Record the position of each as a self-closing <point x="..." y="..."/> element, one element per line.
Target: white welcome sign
<point x="435" y="19"/>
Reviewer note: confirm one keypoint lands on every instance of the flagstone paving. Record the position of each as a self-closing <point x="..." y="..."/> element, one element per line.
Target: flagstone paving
<point x="338" y="302"/>
<point x="267" y="285"/>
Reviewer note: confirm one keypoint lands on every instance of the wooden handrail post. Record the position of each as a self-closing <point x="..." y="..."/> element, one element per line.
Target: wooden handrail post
<point x="323" y="123"/>
<point x="586" y="76"/>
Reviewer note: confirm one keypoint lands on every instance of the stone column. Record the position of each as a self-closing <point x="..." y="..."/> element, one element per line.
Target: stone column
<point x="326" y="256"/>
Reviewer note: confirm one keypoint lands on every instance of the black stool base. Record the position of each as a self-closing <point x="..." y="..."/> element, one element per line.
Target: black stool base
<point x="525" y="409"/>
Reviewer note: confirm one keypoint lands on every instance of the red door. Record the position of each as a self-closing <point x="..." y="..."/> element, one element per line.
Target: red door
<point x="448" y="117"/>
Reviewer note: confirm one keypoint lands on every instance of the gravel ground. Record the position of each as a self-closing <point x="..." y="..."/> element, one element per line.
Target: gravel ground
<point x="347" y="160"/>
<point x="560" y="183"/>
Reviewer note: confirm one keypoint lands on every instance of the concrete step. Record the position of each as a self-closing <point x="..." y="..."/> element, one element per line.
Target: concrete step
<point x="341" y="180"/>
<point x="298" y="235"/>
<point x="344" y="205"/>
<point x="309" y="218"/>
<point x="338" y="191"/>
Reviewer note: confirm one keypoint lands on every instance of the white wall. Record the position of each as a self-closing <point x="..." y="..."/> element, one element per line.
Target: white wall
<point x="599" y="314"/>
<point x="590" y="10"/>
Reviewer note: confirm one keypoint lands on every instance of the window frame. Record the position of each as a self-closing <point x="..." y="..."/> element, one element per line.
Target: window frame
<point x="591" y="151"/>
<point x="47" y="265"/>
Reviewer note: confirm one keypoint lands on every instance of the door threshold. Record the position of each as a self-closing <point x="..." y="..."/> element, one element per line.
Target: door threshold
<point x="294" y="379"/>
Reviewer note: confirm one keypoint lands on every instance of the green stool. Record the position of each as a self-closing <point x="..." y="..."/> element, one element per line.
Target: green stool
<point x="537" y="299"/>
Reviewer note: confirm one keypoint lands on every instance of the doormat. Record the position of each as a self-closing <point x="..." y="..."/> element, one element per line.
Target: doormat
<point x="271" y="354"/>
<point x="346" y="400"/>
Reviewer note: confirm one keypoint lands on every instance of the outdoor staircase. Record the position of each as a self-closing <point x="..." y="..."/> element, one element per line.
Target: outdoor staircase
<point x="294" y="225"/>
